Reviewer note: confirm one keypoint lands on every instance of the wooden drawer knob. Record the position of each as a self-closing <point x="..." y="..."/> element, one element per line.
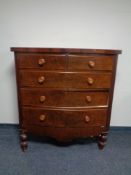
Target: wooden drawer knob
<point x="87" y="118"/>
<point x="88" y="98"/>
<point x="90" y="81"/>
<point x="42" y="99"/>
<point x="91" y="64"/>
<point x="42" y="117"/>
<point x="41" y="62"/>
<point x="41" y="79"/>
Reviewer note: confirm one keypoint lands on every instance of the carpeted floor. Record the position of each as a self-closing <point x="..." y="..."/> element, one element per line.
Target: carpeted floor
<point x="79" y="158"/>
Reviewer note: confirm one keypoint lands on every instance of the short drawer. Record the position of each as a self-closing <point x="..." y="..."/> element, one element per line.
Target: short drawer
<point x="65" y="79"/>
<point x="85" y="63"/>
<point x="53" y="98"/>
<point x="64" y="118"/>
<point x="41" y="61"/>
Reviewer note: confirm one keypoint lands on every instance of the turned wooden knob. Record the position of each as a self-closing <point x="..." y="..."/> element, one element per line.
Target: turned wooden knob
<point x="42" y="99"/>
<point x="90" y="81"/>
<point x="87" y="118"/>
<point x="41" y="61"/>
<point x="41" y="79"/>
<point x="88" y="98"/>
<point x="91" y="64"/>
<point x="42" y="117"/>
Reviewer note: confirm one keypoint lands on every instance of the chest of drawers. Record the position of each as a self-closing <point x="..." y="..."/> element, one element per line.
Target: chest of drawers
<point x="65" y="93"/>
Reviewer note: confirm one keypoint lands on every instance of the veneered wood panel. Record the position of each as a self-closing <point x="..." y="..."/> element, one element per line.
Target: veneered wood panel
<point x="64" y="118"/>
<point x="90" y="62"/>
<point x="64" y="50"/>
<point x="65" y="79"/>
<point x="65" y="134"/>
<point x="65" y="93"/>
<point x="50" y="98"/>
<point x="42" y="61"/>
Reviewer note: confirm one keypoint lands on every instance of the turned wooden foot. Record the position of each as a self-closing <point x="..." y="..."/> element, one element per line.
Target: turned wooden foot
<point x="102" y="140"/>
<point x="23" y="140"/>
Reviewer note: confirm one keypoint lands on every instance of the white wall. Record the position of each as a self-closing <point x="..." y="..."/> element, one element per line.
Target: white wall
<point x="97" y="24"/>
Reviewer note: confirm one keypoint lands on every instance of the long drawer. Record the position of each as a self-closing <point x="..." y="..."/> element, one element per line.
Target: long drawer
<point x="64" y="118"/>
<point x="52" y="98"/>
<point x="65" y="79"/>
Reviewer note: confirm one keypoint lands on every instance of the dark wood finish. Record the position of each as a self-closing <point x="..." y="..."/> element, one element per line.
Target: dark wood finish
<point x="102" y="139"/>
<point x="91" y="62"/>
<point x="50" y="98"/>
<point x="65" y="134"/>
<point x="42" y="61"/>
<point x="65" y="93"/>
<point x="112" y="91"/>
<point x="64" y="118"/>
<point x="23" y="139"/>
<point x="65" y="50"/>
<point x="65" y="80"/>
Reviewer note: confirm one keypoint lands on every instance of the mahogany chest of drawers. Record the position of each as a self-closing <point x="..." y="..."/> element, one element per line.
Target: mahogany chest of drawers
<point x="65" y="93"/>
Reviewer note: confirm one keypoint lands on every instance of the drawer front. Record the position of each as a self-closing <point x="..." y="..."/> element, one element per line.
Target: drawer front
<point x="80" y="63"/>
<point x="42" y="61"/>
<point x="62" y="118"/>
<point x="48" y="98"/>
<point x="65" y="80"/>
